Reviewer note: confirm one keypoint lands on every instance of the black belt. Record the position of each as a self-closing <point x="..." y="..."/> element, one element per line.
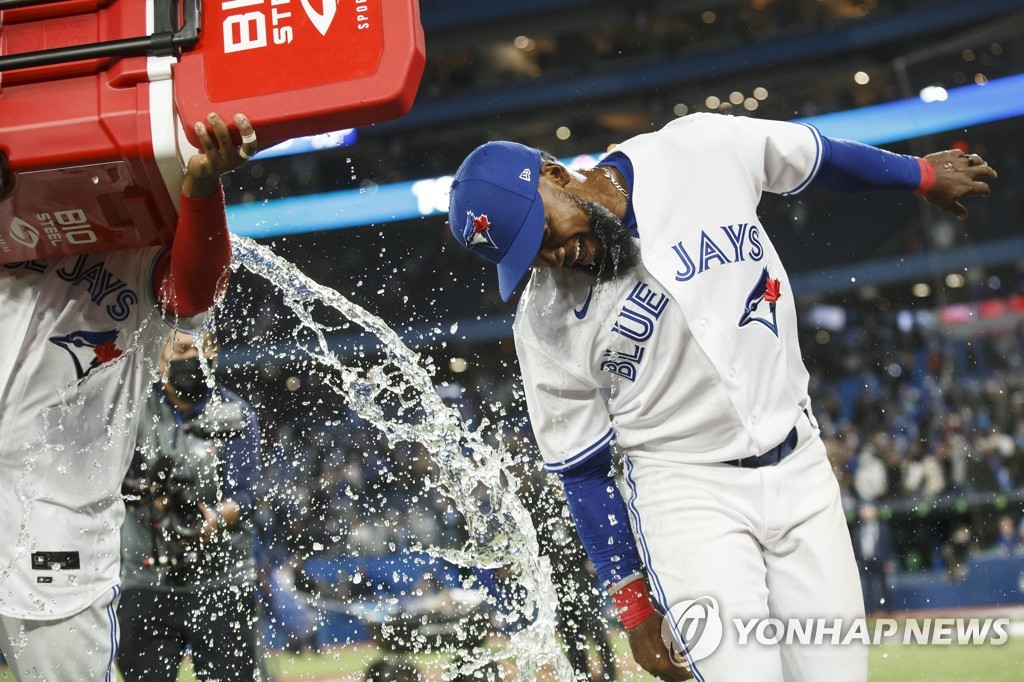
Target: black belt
<point x="773" y="456"/>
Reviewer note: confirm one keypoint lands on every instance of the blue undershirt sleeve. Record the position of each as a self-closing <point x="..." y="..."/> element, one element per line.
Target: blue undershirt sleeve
<point x="848" y="166"/>
<point x="601" y="517"/>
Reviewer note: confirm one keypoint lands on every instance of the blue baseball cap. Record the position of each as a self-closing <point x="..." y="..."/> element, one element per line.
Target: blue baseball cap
<point x="495" y="210"/>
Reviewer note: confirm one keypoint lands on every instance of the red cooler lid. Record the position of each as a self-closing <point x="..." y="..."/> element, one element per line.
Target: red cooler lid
<point x="302" y="67"/>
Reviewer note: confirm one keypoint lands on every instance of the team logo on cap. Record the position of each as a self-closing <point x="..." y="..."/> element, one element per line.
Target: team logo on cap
<point x="760" y="305"/>
<point x="89" y="350"/>
<point x="476" y="232"/>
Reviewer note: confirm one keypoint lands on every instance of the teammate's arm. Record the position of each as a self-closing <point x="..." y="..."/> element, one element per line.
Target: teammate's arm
<point x="602" y="521"/>
<point x="187" y="277"/>
<point x="942" y="178"/>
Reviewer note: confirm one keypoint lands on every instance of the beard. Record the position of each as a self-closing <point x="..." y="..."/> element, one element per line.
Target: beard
<point x="619" y="254"/>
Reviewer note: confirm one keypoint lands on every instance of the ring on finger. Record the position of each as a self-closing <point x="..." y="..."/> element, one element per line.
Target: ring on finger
<point x="244" y="154"/>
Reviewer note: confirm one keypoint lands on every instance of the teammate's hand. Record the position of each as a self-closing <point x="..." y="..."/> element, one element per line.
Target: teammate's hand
<point x="220" y="154"/>
<point x="650" y="653"/>
<point x="957" y="175"/>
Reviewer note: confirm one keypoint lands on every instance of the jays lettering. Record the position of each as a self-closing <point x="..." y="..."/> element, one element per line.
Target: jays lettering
<point x="735" y="244"/>
<point x="635" y="323"/>
<point x="33" y="265"/>
<point x="104" y="287"/>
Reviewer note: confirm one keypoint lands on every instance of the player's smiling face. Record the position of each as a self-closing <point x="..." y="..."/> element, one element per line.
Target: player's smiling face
<point x="568" y="239"/>
<point x="580" y="233"/>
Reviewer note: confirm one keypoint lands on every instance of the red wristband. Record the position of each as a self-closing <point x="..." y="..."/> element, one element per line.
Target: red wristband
<point x="632" y="604"/>
<point x="927" y="177"/>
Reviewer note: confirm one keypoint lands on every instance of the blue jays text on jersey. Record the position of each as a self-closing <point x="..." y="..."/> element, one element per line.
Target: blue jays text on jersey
<point x="743" y="238"/>
<point x="101" y="284"/>
<point x="635" y="323"/>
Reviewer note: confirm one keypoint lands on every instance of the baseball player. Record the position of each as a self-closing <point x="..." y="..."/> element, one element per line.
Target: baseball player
<point x="658" y="316"/>
<point x="79" y="336"/>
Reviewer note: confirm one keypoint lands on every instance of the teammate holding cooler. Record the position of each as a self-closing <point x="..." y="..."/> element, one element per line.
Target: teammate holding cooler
<point x="81" y="335"/>
<point x="658" y="316"/>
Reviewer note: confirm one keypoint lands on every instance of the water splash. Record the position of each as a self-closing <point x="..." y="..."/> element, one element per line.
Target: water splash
<point x="501" y="534"/>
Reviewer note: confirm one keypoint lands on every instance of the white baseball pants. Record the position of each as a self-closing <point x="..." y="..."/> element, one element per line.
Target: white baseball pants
<point x="764" y="543"/>
<point x="79" y="648"/>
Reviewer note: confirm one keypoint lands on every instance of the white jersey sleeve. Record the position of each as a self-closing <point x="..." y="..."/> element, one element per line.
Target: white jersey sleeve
<point x="569" y="414"/>
<point x="787" y="156"/>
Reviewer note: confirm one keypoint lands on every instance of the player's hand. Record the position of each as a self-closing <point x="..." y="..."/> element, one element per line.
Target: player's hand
<point x="219" y="155"/>
<point x="957" y="175"/>
<point x="650" y="653"/>
<point x="211" y="523"/>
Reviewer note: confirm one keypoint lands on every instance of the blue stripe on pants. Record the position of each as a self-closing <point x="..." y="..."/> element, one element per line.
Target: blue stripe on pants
<point x="659" y="591"/>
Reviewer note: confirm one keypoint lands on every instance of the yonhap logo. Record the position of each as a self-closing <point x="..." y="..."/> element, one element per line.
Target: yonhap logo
<point x="692" y="630"/>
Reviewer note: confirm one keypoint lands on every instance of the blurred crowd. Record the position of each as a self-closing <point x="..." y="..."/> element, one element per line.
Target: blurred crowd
<point x="572" y="47"/>
<point x="924" y="427"/>
<point x="908" y="415"/>
<point x="414" y="273"/>
<point x="912" y="415"/>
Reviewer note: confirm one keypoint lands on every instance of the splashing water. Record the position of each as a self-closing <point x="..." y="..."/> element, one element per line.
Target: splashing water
<point x="500" y="533"/>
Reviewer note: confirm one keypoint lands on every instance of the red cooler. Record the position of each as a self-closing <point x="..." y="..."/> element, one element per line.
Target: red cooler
<point x="94" y="95"/>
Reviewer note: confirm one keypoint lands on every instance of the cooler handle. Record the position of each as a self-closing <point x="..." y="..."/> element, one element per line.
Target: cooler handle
<point x="166" y="40"/>
<point x="18" y="4"/>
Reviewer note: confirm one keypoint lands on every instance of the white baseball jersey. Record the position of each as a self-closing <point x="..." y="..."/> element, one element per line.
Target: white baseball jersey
<point x="695" y="356"/>
<point x="81" y="338"/>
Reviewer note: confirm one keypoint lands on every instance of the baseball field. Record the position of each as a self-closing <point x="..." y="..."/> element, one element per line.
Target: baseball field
<point x="889" y="663"/>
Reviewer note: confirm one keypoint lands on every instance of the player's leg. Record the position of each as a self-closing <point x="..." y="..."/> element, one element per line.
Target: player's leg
<point x="79" y="648"/>
<point x="812" y="573"/>
<point x="696" y="526"/>
<point x="223" y="634"/>
<point x="152" y="635"/>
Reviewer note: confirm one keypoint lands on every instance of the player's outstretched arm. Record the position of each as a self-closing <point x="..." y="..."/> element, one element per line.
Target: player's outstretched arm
<point x="942" y="178"/>
<point x="648" y="648"/>
<point x="957" y="175"/>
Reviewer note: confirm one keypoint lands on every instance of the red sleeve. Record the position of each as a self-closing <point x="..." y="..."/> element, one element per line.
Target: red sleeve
<point x="190" y="276"/>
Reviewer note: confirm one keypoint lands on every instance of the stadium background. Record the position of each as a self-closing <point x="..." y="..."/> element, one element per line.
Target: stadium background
<point x="913" y="324"/>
